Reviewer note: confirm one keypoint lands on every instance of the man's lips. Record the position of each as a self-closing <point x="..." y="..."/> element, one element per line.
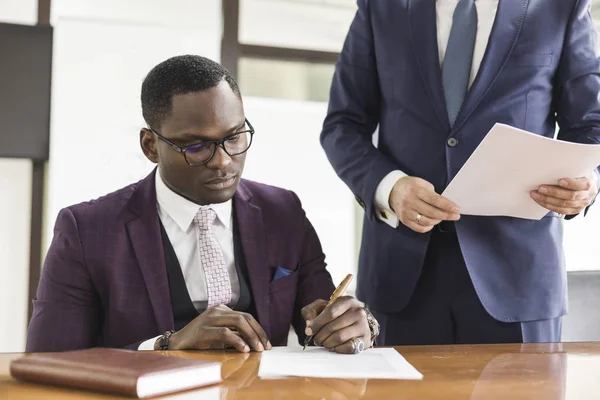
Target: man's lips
<point x="221" y="183"/>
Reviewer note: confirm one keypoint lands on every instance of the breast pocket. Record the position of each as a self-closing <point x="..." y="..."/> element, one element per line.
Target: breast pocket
<point x="531" y="60"/>
<point x="286" y="283"/>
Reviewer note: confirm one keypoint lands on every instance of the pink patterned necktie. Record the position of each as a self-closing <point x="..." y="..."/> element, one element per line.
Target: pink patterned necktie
<point x="218" y="284"/>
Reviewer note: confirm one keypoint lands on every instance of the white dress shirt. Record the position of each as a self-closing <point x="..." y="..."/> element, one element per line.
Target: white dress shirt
<point x="177" y="216"/>
<point x="486" y="14"/>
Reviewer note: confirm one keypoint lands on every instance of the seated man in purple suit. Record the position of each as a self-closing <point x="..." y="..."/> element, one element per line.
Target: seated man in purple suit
<point x="193" y="256"/>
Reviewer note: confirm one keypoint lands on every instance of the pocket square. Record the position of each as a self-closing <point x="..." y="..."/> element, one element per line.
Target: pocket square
<point x="281" y="272"/>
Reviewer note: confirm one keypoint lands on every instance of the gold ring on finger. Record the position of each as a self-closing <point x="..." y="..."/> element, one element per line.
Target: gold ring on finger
<point x="418" y="219"/>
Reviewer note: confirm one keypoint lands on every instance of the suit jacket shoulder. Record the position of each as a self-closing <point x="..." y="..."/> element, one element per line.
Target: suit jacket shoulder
<point x="109" y="206"/>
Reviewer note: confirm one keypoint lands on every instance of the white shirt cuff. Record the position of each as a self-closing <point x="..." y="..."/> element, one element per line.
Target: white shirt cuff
<point x="382" y="198"/>
<point x="148" y="344"/>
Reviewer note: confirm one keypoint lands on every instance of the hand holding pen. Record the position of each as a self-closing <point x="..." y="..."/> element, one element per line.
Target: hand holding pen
<point x="339" y="324"/>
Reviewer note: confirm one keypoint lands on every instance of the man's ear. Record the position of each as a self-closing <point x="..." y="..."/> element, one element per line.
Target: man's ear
<point x="148" y="145"/>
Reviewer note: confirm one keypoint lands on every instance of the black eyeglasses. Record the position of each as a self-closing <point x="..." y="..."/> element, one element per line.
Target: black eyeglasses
<point x="201" y="153"/>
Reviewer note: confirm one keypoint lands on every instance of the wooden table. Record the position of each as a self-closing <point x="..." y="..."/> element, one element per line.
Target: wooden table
<point x="546" y="371"/>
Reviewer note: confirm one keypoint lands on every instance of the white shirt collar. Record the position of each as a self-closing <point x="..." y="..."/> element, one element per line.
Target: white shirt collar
<point x="182" y="210"/>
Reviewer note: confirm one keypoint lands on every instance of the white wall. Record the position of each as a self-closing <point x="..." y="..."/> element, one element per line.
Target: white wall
<point x="307" y="24"/>
<point x="15" y="219"/>
<point x="581" y="241"/>
<point x="15" y="214"/>
<point x="102" y="52"/>
<point x="19" y="11"/>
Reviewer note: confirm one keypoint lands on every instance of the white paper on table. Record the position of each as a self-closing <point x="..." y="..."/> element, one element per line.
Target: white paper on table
<point x="508" y="164"/>
<point x="318" y="362"/>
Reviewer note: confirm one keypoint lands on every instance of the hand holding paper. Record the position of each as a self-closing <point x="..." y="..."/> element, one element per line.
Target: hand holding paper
<point x="510" y="164"/>
<point x="419" y="207"/>
<point x="570" y="197"/>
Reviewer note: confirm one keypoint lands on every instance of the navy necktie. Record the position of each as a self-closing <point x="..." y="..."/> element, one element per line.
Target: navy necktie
<point x="456" y="69"/>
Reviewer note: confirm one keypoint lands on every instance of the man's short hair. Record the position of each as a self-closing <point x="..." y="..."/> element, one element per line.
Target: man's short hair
<point x="179" y="75"/>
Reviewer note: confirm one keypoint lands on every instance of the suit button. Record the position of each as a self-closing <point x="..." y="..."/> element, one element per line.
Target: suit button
<point x="452" y="142"/>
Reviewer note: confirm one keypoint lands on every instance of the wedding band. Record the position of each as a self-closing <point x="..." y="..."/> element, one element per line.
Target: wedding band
<point x="418" y="219"/>
<point x="358" y="344"/>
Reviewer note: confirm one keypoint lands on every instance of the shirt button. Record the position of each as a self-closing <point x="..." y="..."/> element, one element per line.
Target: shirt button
<point x="452" y="142"/>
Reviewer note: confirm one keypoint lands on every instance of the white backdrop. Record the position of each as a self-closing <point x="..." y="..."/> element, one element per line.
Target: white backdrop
<point x="15" y="220"/>
<point x="313" y="24"/>
<point x="581" y="241"/>
<point x="19" y="11"/>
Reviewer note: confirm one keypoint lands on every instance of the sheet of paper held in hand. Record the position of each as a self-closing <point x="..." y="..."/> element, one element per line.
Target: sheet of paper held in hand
<point x="508" y="164"/>
<point x="317" y="362"/>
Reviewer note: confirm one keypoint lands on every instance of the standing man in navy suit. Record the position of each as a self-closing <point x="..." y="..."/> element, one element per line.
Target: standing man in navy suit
<point x="435" y="76"/>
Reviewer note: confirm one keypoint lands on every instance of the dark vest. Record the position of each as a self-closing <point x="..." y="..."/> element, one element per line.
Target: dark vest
<point x="183" y="308"/>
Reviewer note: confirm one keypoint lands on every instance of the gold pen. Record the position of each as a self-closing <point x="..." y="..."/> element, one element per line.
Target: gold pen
<point x="337" y="293"/>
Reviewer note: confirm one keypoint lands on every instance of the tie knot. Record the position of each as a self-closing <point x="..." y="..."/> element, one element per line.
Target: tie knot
<point x="205" y="217"/>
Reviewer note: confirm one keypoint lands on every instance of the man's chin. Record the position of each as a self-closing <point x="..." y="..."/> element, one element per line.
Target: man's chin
<point x="220" y="195"/>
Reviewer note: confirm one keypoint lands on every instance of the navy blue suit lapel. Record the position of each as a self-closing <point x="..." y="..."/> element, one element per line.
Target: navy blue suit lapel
<point x="423" y="27"/>
<point x="145" y="237"/>
<point x="252" y="237"/>
<point x="507" y="27"/>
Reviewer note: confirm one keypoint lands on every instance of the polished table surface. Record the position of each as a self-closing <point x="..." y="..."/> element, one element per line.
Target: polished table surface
<point x="530" y="371"/>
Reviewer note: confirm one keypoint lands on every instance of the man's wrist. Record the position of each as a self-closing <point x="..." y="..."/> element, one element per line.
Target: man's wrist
<point x="166" y="341"/>
<point x="383" y="209"/>
<point x="373" y="326"/>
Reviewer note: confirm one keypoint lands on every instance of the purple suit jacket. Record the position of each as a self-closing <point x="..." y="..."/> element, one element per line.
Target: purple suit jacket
<point x="104" y="281"/>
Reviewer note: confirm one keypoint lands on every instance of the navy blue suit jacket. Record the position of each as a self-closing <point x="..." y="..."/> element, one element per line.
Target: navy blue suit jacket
<point x="540" y="68"/>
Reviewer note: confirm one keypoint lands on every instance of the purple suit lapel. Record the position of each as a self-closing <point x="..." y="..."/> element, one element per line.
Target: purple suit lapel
<point x="144" y="235"/>
<point x="252" y="237"/>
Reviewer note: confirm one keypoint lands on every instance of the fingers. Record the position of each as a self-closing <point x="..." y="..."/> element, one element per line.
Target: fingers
<point x="577" y="184"/>
<point x="450" y="210"/>
<point x="424" y="220"/>
<point x="311" y="311"/>
<point x="562" y="193"/>
<point x="425" y="208"/>
<point x="348" y="346"/>
<point x="330" y="332"/>
<point x="559" y="202"/>
<point x="547" y="203"/>
<point x="342" y="336"/>
<point x="418" y="227"/>
<point x="414" y="197"/>
<point x="260" y="332"/>
<point x="225" y="337"/>
<point x="337" y="309"/>
<point x="239" y="322"/>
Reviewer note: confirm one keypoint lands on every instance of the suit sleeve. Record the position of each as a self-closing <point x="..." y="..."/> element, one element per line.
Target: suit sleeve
<point x="314" y="281"/>
<point x="67" y="312"/>
<point x="353" y="114"/>
<point x="578" y="80"/>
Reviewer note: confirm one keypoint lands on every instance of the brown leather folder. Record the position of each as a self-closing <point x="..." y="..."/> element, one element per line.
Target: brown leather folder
<point x="122" y="372"/>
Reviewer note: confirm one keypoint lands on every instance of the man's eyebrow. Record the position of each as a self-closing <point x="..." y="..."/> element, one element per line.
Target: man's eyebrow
<point x="193" y="136"/>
